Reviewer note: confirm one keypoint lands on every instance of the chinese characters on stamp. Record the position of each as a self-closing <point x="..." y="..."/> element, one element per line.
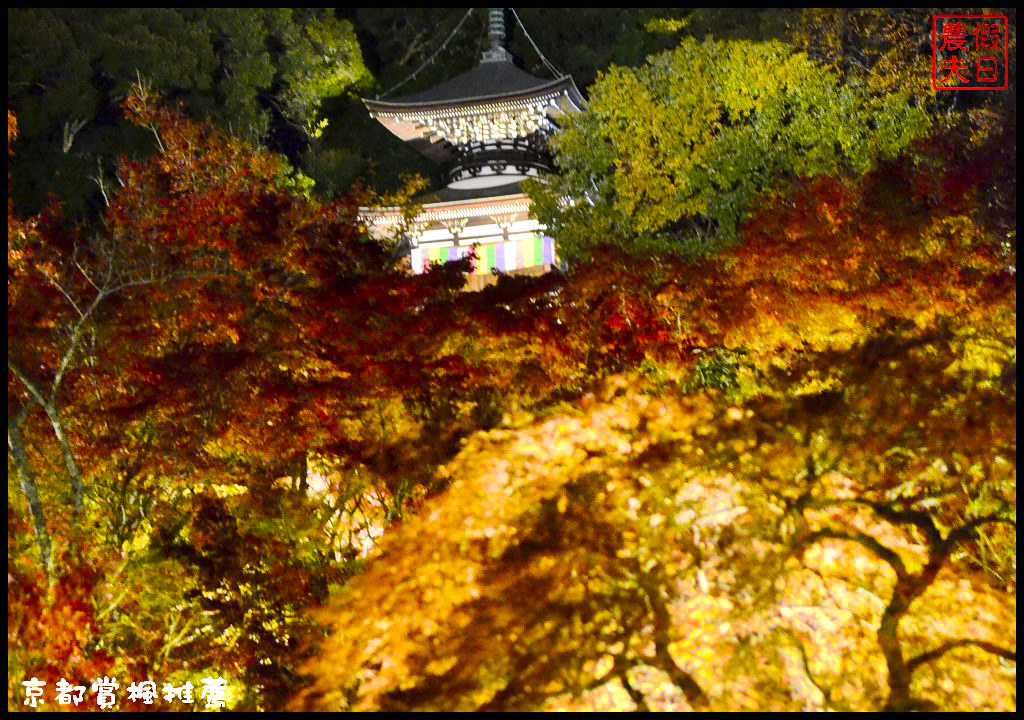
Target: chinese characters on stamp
<point x="970" y="52"/>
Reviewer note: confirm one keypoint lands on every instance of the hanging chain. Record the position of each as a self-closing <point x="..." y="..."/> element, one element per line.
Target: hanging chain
<point x="431" y="58"/>
<point x="451" y="35"/>
<point x="535" y="48"/>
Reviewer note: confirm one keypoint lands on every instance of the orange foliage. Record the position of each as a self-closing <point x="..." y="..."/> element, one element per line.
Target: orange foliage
<point x="820" y="538"/>
<point x="793" y="550"/>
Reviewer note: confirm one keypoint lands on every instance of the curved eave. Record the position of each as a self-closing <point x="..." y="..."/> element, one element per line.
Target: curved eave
<point x="407" y="120"/>
<point x="479" y="207"/>
<point x="564" y="83"/>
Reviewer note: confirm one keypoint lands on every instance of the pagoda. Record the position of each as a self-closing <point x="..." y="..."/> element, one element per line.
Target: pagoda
<point x="489" y="127"/>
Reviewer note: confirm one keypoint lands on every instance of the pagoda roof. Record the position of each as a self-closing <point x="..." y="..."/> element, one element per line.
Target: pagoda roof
<point x="492" y="101"/>
<point x="487" y="82"/>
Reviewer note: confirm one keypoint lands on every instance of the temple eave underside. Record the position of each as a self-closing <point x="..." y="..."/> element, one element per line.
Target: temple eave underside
<point x="460" y="222"/>
<point x="475" y="123"/>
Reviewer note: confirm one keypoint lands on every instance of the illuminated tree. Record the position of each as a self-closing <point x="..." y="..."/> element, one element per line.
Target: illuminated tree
<point x="669" y="157"/>
<point x="831" y="526"/>
<point x="794" y="553"/>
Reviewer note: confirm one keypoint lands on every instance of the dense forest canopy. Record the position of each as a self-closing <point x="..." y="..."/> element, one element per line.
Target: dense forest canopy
<point x="289" y="78"/>
<point x="260" y="74"/>
<point x="754" y="449"/>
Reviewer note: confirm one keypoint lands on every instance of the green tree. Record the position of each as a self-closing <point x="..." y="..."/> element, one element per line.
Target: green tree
<point x="669" y="157"/>
<point x="890" y="49"/>
<point x="262" y="73"/>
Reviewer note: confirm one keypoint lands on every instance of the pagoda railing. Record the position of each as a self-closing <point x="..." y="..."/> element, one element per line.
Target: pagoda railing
<point x="521" y="156"/>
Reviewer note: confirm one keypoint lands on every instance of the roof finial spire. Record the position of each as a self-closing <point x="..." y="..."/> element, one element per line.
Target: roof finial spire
<point x="496" y="32"/>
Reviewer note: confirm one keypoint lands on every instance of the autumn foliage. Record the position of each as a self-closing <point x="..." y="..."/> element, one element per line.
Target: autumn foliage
<point x="806" y="518"/>
<point x="248" y="443"/>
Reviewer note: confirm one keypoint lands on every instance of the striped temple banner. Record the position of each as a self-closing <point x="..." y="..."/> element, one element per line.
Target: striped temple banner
<point x="504" y="257"/>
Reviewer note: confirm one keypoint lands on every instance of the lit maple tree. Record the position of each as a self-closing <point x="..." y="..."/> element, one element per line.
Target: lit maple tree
<point x="216" y="331"/>
<point x="800" y="549"/>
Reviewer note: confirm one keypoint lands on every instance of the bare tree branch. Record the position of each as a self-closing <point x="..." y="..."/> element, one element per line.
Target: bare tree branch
<point x="29" y="486"/>
<point x="634" y="694"/>
<point x="891" y="557"/>
<point x="932" y="655"/>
